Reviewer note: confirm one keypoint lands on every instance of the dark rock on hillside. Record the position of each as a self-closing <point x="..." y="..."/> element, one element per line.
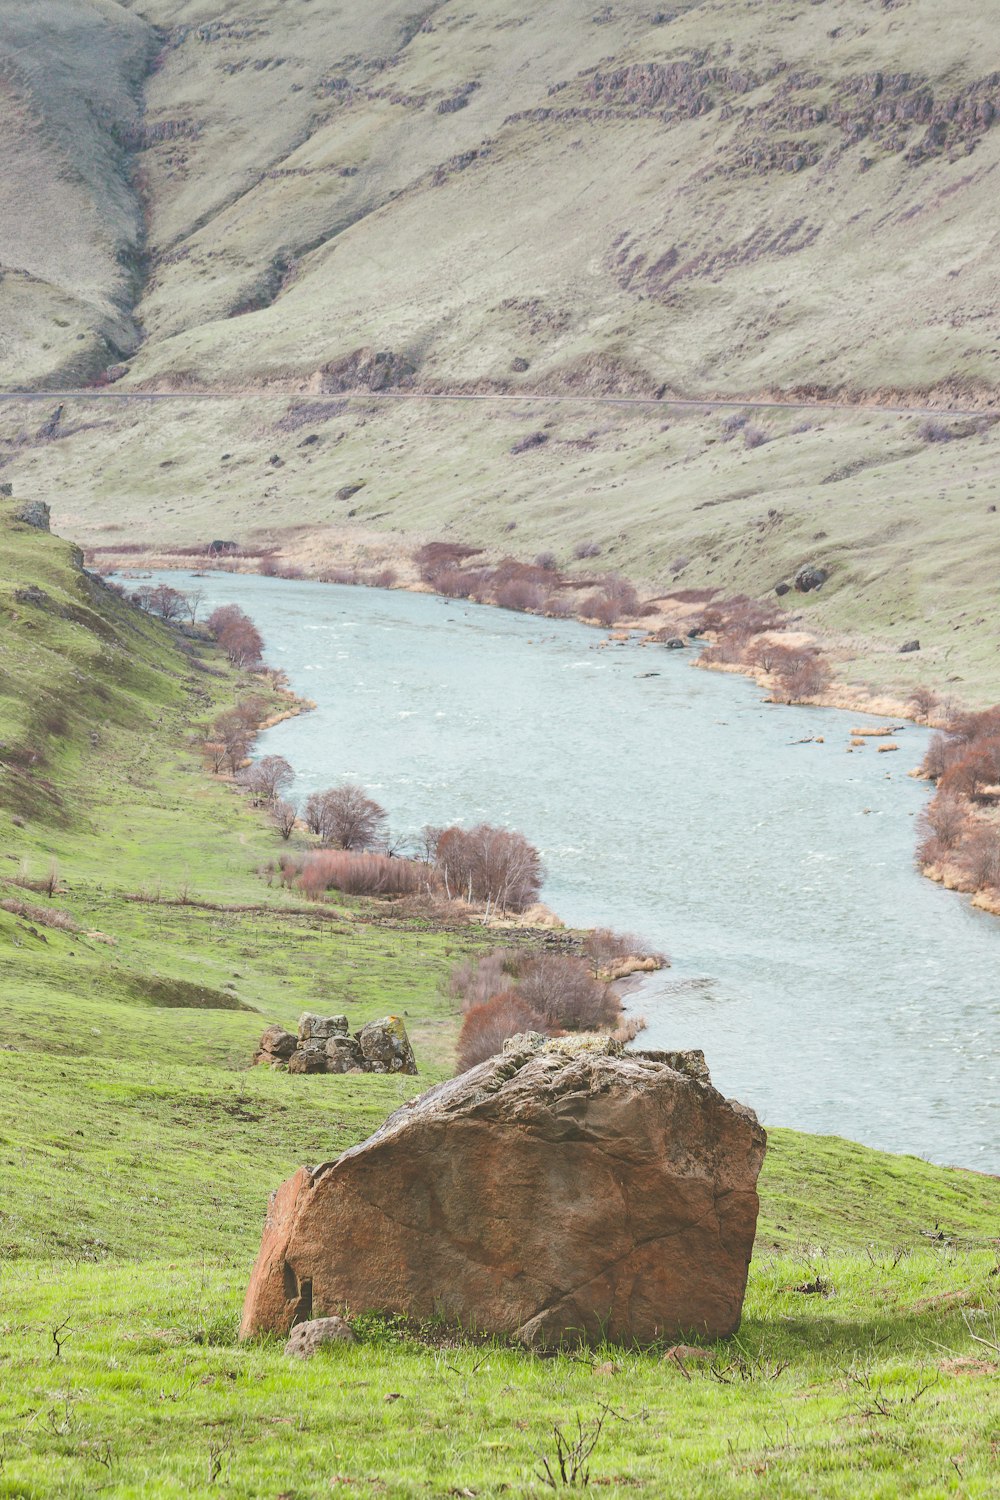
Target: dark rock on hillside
<point x="781" y="589"/>
<point x="369" y="369"/>
<point x="34" y="513"/>
<point x="565" y="1191"/>
<point x="809" y="578"/>
<point x="909" y="646"/>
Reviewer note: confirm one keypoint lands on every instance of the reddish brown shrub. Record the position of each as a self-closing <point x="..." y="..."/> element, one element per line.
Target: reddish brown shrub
<point x="360" y="874"/>
<point x="486" y="1027"/>
<point x="945" y="818"/>
<point x="521" y="594"/>
<point x="979" y="856"/>
<point x="237" y="635"/>
<point x="942" y="753"/>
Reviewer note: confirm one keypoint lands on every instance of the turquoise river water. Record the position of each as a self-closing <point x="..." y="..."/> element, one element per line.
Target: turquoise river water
<point x="830" y="986"/>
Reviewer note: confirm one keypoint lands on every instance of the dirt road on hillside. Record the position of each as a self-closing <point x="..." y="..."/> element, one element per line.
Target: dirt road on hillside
<point x="674" y="403"/>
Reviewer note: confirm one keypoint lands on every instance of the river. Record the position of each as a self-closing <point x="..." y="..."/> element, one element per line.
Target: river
<point x="830" y="986"/>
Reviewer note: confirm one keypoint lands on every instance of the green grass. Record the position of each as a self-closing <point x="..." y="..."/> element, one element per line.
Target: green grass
<point x="137" y="1150"/>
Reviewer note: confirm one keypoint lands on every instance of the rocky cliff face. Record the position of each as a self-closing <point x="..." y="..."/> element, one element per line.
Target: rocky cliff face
<point x="555" y="1193"/>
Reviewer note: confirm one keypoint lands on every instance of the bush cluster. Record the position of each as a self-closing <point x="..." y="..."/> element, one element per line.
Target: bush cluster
<point x="959" y="826"/>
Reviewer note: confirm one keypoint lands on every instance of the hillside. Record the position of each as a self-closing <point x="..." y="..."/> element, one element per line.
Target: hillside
<point x="333" y="214"/>
<point x="137" y="1150"/>
<point x="717" y="196"/>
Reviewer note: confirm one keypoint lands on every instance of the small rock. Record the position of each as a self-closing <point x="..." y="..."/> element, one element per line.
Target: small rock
<point x="682" y="1353"/>
<point x="781" y="589"/>
<point x="306" y="1338"/>
<point x="909" y="646"/>
<point x="519" y="365"/>
<point x="675" y="643"/>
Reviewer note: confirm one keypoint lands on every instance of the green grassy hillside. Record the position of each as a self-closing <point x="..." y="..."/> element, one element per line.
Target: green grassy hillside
<point x="137" y="1150"/>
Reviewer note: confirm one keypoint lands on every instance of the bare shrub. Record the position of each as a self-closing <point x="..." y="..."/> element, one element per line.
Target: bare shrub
<point x="923" y="701"/>
<point x="487" y="1026"/>
<point x="565" y="994"/>
<point x="800" y="673"/>
<point x="931" y="430"/>
<point x="558" y="607"/>
<point x="615" y="600"/>
<point x="530" y="440"/>
<point x="942" y="753"/>
<point x="734" y="423"/>
<point x="586" y="549"/>
<point x="979" y="856"/>
<point x="233" y="732"/>
<point x="491" y="865"/>
<point x="604" y="947"/>
<point x="345" y="816"/>
<point x="433" y="556"/>
<point x="547" y="561"/>
<point x="358" y="873"/>
<point x="474" y="981"/>
<point x="755" y="437"/>
<point x="945" y="819"/>
<point x="42" y="916"/>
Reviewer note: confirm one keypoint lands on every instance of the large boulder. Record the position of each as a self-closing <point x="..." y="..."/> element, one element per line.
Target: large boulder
<point x="555" y="1193"/>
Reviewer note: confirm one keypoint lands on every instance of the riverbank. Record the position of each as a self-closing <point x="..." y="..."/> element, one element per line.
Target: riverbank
<point x="379" y="562"/>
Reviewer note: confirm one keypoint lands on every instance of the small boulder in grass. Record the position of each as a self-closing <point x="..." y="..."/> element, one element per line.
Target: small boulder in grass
<point x="306" y="1338"/>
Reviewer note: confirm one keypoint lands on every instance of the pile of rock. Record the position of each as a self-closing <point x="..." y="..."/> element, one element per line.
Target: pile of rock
<point x="325" y="1044"/>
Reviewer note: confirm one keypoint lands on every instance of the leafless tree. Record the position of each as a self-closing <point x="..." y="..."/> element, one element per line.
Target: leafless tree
<point x="284" y="816"/>
<point x="345" y="817"/>
<point x="491" y="865"/>
<point x="266" y="778"/>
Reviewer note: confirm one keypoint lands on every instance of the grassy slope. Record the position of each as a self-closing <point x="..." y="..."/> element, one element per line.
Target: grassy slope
<point x="136" y="1153"/>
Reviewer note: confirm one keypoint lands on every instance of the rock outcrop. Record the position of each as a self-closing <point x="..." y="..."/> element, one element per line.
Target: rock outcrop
<point x="324" y="1044"/>
<point x="563" y="1191"/>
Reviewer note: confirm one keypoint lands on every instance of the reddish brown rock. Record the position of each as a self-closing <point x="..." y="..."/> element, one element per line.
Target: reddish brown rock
<point x="548" y="1194"/>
